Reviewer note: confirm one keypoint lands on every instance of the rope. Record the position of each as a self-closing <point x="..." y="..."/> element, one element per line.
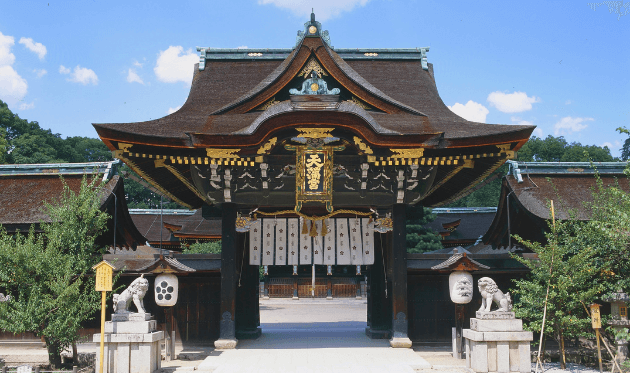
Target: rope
<point x="313" y="218"/>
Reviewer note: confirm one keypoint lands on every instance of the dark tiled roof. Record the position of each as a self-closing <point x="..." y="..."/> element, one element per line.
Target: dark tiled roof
<point x="192" y="225"/>
<point x="148" y="223"/>
<point x="26" y="189"/>
<point x="531" y="187"/>
<point x="454" y="259"/>
<point x="473" y="224"/>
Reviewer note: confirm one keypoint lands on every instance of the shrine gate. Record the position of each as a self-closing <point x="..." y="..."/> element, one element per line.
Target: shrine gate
<point x="313" y="156"/>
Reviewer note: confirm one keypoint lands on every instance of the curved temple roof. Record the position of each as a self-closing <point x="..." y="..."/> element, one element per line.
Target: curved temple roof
<point x="240" y="98"/>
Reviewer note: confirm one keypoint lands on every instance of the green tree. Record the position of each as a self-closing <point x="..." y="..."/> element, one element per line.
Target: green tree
<point x="45" y="274"/>
<point x="139" y="196"/>
<point x="212" y="247"/>
<point x="419" y="238"/>
<point x="557" y="149"/>
<point x="582" y="261"/>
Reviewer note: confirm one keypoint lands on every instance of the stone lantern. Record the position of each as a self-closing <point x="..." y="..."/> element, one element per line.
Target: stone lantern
<point x="619" y="320"/>
<point x="166" y="291"/>
<point x="460" y="288"/>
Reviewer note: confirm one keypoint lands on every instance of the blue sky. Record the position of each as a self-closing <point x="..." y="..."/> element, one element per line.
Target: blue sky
<point x="560" y="65"/>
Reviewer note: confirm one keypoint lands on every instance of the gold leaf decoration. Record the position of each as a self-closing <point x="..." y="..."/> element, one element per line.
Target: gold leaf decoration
<point x="315" y="133"/>
<point x="359" y="103"/>
<point x="268" y="145"/>
<point x="268" y="104"/>
<point x="311" y="65"/>
<point x="407" y="153"/>
<point x="364" y="147"/>
<point x="222" y="153"/>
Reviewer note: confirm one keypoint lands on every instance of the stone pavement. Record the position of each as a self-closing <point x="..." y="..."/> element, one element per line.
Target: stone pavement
<point x="317" y="335"/>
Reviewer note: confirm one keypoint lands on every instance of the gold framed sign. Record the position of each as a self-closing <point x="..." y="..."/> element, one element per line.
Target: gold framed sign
<point x="314" y="171"/>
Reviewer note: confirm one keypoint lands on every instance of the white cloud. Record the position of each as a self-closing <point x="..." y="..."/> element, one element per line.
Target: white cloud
<point x="511" y="102"/>
<point x="6" y="57"/>
<point x="80" y="74"/>
<point x="37" y="48"/>
<point x="133" y="77"/>
<point x="172" y="110"/>
<point x="242" y="47"/>
<point x="173" y="68"/>
<point x="472" y="111"/>
<point x="538" y="132"/>
<point x="13" y="87"/>
<point x="568" y="102"/>
<point x="568" y="125"/>
<point x="608" y="144"/>
<point x="324" y="9"/>
<point x="25" y="106"/>
<point x="40" y="72"/>
<point x="137" y="64"/>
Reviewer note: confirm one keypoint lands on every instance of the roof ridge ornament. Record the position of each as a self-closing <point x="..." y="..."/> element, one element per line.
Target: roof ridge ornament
<point x="313" y="29"/>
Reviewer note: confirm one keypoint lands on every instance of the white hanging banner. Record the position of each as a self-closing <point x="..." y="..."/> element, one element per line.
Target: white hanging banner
<point x="356" y="241"/>
<point x="343" y="242"/>
<point x="348" y="241"/>
<point x="255" y="246"/>
<point x="281" y="241"/>
<point x="329" y="243"/>
<point x="293" y="234"/>
<point x="305" y="245"/>
<point x="318" y="244"/>
<point x="268" y="242"/>
<point x="367" y="232"/>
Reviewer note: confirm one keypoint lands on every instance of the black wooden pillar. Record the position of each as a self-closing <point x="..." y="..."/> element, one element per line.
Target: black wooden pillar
<point x="247" y="316"/>
<point x="379" y="309"/>
<point x="398" y="264"/>
<point x="229" y="250"/>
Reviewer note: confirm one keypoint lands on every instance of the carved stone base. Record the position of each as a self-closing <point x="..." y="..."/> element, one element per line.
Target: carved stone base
<point x="495" y="315"/>
<point x="225" y="344"/>
<point x="400" y="342"/>
<point x="131" y="316"/>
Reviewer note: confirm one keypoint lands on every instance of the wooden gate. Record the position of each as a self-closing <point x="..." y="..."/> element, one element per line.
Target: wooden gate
<point x="280" y="287"/>
<point x="305" y="284"/>
<point x="344" y="287"/>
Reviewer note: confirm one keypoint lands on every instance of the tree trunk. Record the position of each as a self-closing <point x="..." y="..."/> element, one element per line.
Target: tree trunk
<point x="54" y="353"/>
<point x="563" y="360"/>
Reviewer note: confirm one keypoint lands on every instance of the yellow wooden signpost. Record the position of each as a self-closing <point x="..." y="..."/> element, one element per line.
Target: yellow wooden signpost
<point x="104" y="272"/>
<point x="596" y="320"/>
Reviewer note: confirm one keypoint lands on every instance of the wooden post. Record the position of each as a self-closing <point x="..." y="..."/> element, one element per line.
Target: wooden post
<point x="379" y="309"/>
<point x="596" y="321"/>
<point x="247" y="306"/>
<point x="227" y="329"/>
<point x="459" y="326"/>
<point x="102" y="351"/>
<point x="103" y="283"/>
<point x="398" y="263"/>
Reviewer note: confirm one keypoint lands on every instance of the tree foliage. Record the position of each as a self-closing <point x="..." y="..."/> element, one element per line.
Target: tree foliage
<point x="211" y="247"/>
<point x="45" y="274"/>
<point x="419" y="238"/>
<point x="582" y="261"/>
<point x="558" y="149"/>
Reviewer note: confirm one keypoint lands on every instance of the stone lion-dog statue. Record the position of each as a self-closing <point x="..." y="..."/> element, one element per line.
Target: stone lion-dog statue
<point x="136" y="292"/>
<point x="490" y="293"/>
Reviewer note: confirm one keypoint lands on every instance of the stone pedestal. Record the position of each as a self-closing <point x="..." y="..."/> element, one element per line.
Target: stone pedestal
<point x="496" y="342"/>
<point x="130" y="346"/>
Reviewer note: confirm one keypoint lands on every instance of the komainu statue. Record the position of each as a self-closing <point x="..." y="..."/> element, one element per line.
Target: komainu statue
<point x="136" y="292"/>
<point x="490" y="293"/>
